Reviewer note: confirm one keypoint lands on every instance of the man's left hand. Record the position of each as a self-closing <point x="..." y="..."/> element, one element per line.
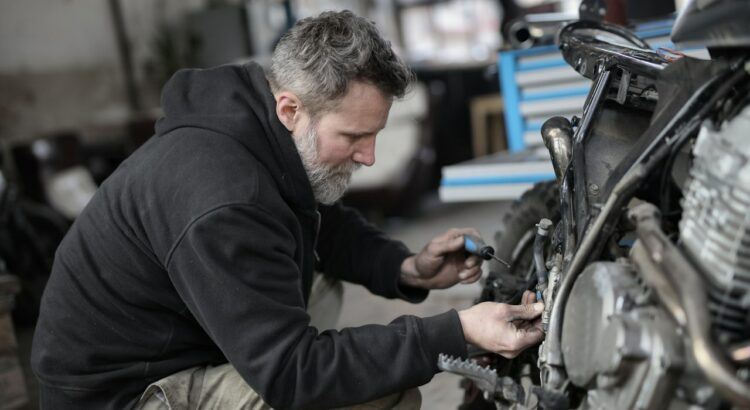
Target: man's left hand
<point x="443" y="262"/>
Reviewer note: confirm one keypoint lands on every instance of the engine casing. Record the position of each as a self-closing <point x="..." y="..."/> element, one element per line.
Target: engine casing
<point x="618" y="343"/>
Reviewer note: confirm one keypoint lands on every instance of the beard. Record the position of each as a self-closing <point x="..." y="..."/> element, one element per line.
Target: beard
<point x="329" y="182"/>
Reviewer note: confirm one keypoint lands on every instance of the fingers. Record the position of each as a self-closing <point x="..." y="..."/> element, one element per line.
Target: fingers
<point x="525" y="312"/>
<point x="529" y="336"/>
<point x="451" y="241"/>
<point x="472" y="270"/>
<point x="537" y="324"/>
<point x="470" y="275"/>
<point x="487" y="325"/>
<point x="527" y="324"/>
<point x="472" y="261"/>
<point x="525" y="338"/>
<point x="528" y="297"/>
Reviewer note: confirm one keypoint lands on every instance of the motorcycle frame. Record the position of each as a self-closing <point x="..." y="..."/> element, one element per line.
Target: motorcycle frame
<point x="585" y="227"/>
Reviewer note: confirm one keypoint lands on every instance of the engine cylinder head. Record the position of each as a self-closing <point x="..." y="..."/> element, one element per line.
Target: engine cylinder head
<point x="715" y="225"/>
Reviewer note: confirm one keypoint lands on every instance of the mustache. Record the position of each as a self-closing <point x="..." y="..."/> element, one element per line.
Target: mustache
<point x="346" y="168"/>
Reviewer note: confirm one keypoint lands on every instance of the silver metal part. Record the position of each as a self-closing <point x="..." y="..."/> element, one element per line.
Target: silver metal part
<point x="549" y="292"/>
<point x="557" y="134"/>
<point x="544" y="226"/>
<point x="715" y="226"/>
<point x="690" y="288"/>
<point x="624" y="351"/>
<point x="553" y="353"/>
<point x="655" y="279"/>
<point x="622" y="90"/>
<point x="536" y="29"/>
<point x="741" y="353"/>
<point x="540" y="241"/>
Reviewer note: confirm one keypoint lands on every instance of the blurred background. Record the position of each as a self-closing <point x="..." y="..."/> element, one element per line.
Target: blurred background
<point x="80" y="82"/>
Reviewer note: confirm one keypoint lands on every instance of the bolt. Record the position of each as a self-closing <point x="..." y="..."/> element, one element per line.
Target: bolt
<point x="594" y="189"/>
<point x="657" y="257"/>
<point x="545" y="224"/>
<point x="703" y="394"/>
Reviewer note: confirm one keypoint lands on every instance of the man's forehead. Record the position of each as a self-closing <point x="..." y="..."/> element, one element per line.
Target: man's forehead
<point x="363" y="109"/>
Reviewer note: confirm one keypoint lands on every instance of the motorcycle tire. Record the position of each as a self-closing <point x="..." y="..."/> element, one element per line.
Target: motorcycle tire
<point x="515" y="239"/>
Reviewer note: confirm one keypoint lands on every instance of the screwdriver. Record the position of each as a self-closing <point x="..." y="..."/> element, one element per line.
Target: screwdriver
<point x="476" y="246"/>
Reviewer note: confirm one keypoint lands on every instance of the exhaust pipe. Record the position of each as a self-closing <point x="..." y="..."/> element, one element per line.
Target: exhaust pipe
<point x="688" y="302"/>
<point x="557" y="133"/>
<point x="536" y="29"/>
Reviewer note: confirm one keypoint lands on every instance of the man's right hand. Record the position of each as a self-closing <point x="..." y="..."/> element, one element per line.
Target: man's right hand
<point x="504" y="329"/>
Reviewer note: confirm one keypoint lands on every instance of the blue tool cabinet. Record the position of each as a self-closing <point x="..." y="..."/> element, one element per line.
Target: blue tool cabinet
<point x="537" y="83"/>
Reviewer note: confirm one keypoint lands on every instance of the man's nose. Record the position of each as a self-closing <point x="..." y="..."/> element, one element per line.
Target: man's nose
<point x="364" y="151"/>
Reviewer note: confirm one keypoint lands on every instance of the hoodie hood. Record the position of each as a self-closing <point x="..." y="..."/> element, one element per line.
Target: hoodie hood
<point x="236" y="100"/>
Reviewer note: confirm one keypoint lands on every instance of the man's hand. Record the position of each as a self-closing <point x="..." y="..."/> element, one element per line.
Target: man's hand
<point x="504" y="329"/>
<point x="442" y="263"/>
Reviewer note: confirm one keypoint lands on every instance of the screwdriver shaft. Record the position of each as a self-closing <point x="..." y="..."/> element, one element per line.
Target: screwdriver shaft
<point x="476" y="246"/>
<point x="501" y="261"/>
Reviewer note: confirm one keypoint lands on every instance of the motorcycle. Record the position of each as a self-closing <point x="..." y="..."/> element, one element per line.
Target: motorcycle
<point x="640" y="249"/>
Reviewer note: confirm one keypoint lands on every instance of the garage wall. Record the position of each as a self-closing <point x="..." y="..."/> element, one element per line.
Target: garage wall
<point x="59" y="64"/>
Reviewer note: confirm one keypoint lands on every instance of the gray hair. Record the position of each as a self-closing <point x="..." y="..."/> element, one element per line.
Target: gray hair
<point x="320" y="56"/>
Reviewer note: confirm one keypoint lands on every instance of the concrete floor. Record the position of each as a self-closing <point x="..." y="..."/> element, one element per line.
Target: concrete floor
<point x="360" y="307"/>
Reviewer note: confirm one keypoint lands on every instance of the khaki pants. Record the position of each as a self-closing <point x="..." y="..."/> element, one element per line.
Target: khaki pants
<point x="221" y="387"/>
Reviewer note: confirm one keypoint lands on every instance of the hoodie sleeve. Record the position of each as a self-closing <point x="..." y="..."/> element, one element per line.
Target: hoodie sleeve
<point x="235" y="269"/>
<point x="354" y="250"/>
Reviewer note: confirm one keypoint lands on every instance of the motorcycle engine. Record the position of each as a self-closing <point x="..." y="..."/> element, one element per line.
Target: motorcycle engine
<point x="618" y="344"/>
<point x="715" y="227"/>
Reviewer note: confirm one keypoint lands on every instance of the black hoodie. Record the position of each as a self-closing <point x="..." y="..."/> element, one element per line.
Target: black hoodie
<point x="200" y="249"/>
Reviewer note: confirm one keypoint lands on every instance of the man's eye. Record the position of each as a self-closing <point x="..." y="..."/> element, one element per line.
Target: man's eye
<point x="355" y="136"/>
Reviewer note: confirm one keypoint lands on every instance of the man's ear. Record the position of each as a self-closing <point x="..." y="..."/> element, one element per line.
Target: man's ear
<point x="288" y="109"/>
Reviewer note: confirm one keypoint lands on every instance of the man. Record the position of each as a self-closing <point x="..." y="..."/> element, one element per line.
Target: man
<point x="199" y="250"/>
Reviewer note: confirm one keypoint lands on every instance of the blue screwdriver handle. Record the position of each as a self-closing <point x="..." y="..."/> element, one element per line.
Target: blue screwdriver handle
<point x="473" y="244"/>
<point x="476" y="246"/>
